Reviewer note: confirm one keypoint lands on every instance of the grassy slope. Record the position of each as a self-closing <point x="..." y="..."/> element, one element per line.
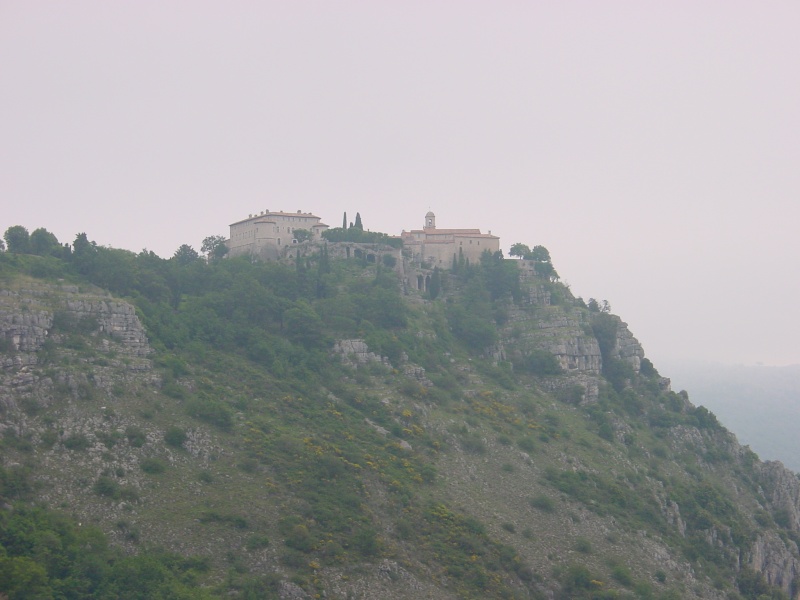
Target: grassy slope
<point x="502" y="491"/>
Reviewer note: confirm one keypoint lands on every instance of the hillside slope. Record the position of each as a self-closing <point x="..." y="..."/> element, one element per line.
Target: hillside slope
<point x="310" y="429"/>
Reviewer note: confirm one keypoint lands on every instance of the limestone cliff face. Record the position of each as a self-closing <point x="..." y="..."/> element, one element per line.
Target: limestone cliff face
<point x="564" y="330"/>
<point x="552" y="329"/>
<point x="778" y="564"/>
<point x="28" y="316"/>
<point x="778" y="559"/>
<point x="627" y="347"/>
<point x="117" y="319"/>
<point x="35" y="313"/>
<point x="782" y="490"/>
<point x="566" y="333"/>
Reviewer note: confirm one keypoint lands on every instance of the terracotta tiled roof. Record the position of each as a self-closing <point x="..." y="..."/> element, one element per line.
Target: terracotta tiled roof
<point x="429" y="233"/>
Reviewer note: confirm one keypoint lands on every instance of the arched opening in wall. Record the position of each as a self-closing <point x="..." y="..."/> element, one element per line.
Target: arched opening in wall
<point x="358" y="253"/>
<point x="427" y="283"/>
<point x="420" y="282"/>
<point x="371" y="258"/>
<point x="347" y="251"/>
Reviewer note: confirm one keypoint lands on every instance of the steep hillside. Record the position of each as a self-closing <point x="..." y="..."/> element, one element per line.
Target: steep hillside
<point x="760" y="403"/>
<point x="317" y="429"/>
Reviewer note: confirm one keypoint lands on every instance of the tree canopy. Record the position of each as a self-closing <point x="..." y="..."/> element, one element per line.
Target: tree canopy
<point x="17" y="239"/>
<point x="214" y="247"/>
<point x="540" y="256"/>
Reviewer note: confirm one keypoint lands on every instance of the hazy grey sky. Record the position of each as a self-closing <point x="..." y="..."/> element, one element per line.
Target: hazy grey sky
<point x="653" y="147"/>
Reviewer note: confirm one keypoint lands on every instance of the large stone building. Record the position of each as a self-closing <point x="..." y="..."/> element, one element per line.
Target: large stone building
<point x="438" y="247"/>
<point x="266" y="235"/>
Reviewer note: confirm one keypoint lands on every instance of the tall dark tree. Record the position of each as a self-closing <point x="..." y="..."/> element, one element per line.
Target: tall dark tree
<point x="344" y="220"/>
<point x="83" y="253"/>
<point x="185" y="255"/>
<point x="358" y="224"/>
<point x="435" y="286"/>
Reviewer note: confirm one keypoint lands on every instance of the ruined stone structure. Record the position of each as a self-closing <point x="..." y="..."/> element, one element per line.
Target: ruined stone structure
<point x="438" y="247"/>
<point x="266" y="235"/>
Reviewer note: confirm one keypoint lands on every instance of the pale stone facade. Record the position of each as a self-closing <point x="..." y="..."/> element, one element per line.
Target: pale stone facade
<point x="438" y="247"/>
<point x="265" y="235"/>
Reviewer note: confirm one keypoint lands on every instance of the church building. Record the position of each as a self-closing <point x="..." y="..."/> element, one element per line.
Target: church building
<point x="438" y="247"/>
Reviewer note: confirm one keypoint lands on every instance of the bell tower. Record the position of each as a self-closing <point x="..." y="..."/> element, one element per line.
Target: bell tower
<point x="430" y="220"/>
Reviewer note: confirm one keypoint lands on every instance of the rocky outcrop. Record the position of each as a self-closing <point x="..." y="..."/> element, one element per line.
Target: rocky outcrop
<point x="627" y="347"/>
<point x="553" y="330"/>
<point x="782" y="490"/>
<point x="115" y="318"/>
<point x="28" y="316"/>
<point x="356" y="352"/>
<point x="36" y="313"/>
<point x="23" y="331"/>
<point x="779" y="566"/>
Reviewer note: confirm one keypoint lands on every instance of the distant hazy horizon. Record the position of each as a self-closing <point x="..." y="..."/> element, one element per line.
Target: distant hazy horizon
<point x="759" y="404"/>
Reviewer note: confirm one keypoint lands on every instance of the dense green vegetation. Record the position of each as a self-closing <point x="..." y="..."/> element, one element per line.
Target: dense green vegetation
<point x="45" y="555"/>
<point x="346" y="455"/>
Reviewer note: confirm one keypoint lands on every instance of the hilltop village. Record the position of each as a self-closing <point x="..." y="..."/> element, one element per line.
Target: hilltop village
<point x="272" y="235"/>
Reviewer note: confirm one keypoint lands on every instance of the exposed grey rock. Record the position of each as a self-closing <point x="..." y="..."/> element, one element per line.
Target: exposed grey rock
<point x="418" y="373"/>
<point x="782" y="490"/>
<point x="770" y="557"/>
<point x="357" y="352"/>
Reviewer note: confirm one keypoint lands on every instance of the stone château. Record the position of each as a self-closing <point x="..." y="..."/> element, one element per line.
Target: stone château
<point x="265" y="235"/>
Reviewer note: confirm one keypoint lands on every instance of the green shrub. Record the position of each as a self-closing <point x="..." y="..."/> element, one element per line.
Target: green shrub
<point x="105" y="486"/>
<point x="77" y="441"/>
<point x="257" y="542"/>
<point x="48" y="439"/>
<point x="152" y="466"/>
<point x="136" y="436"/>
<point x="211" y="411"/>
<point x="543" y="503"/>
<point x="213" y="516"/>
<point x="473" y="444"/>
<point x="366" y="541"/>
<point x="527" y="444"/>
<point x="583" y="545"/>
<point x="622" y="574"/>
<point x="175" y="437"/>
